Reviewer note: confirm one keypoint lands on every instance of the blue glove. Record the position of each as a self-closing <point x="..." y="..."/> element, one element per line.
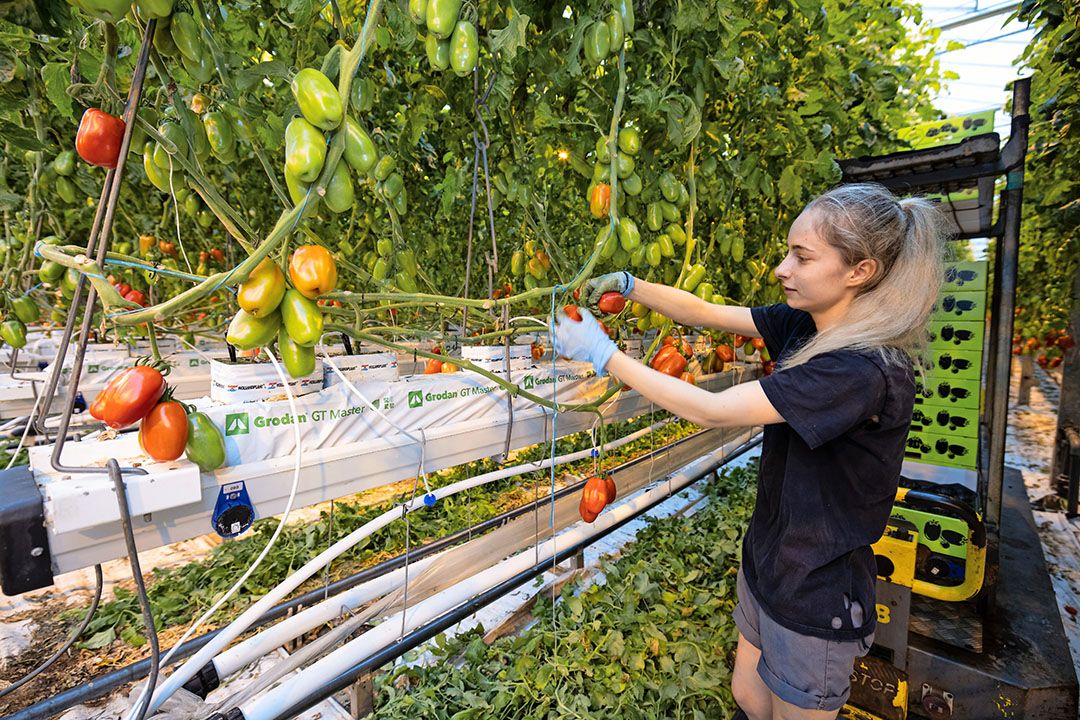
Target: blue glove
<point x="583" y="341"/>
<point x="621" y="282"/>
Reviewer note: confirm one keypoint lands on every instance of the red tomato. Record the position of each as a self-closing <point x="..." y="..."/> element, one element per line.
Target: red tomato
<point x="611" y="303"/>
<point x="669" y="361"/>
<point x="758" y="343"/>
<point x="164" y="430"/>
<point x="123" y="289"/>
<point x="768" y="366"/>
<point x="572" y="312"/>
<point x="724" y="353"/>
<point x="433" y="367"/>
<point x="217" y="254"/>
<point x="129" y="396"/>
<point x="99" y="137"/>
<point x="593" y="499"/>
<point x="135" y="296"/>
<point x="741" y="340"/>
<point x="688" y="377"/>
<point x="537" y="351"/>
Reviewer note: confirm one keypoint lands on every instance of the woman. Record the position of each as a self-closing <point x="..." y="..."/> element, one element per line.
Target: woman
<point x="861" y="273"/>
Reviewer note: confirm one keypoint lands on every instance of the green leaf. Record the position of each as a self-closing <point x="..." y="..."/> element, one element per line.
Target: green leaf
<point x="9" y="200"/>
<point x="19" y="137"/>
<point x="100" y="639"/>
<point x="790" y="184"/>
<point x="508" y="40"/>
<point x="56" y="76"/>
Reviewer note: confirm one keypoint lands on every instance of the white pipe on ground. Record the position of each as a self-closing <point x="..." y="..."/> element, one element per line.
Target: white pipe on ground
<point x="356" y="651"/>
<point x="244" y="621"/>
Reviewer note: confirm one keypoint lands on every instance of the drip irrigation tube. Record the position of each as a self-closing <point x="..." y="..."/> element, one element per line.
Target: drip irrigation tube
<point x="106" y="683"/>
<point x="272" y="707"/>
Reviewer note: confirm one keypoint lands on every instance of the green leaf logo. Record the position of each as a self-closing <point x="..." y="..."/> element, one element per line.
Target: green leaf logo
<point x="236" y="424"/>
<point x="529" y="382"/>
<point x="416" y="398"/>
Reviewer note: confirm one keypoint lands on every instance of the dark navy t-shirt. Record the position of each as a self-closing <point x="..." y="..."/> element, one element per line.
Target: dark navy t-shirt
<point x="827" y="482"/>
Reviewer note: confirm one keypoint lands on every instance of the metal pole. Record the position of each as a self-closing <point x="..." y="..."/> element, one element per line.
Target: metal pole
<point x="1008" y="258"/>
<point x="101" y="244"/>
<point x="978" y="15"/>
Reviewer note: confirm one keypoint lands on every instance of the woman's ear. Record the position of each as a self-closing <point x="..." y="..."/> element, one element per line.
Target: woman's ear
<point x="862" y="272"/>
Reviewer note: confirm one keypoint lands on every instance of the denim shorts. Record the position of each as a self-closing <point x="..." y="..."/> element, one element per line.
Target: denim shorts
<point x="809" y="672"/>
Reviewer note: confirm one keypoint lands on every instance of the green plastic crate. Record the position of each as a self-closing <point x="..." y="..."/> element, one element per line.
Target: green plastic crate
<point x="967" y="276"/>
<point x="950" y="364"/>
<point x="949" y="392"/>
<point x="939" y="533"/>
<point x="948" y="449"/>
<point x="949" y="335"/>
<point x="934" y="416"/>
<point x="960" y="306"/>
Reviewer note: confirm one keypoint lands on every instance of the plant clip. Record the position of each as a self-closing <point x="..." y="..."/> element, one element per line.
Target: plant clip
<point x="430" y="499"/>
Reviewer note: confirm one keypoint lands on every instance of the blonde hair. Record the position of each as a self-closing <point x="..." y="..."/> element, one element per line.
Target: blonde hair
<point x="906" y="239"/>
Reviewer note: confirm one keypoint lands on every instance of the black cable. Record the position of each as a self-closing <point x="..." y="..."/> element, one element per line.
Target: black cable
<point x="100" y="583"/>
<point x="140" y="586"/>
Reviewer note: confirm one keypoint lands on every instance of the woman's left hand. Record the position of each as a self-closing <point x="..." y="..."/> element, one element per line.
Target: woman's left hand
<point x="583" y="340"/>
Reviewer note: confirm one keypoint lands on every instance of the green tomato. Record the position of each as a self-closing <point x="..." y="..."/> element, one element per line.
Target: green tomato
<point x="65" y="189"/>
<point x="693" y="277"/>
<point x="205" y="443"/>
<point x="305" y="150"/>
<point x="401" y="202"/>
<point x="247" y="332"/>
<point x="26" y="309"/>
<point x="111" y="11"/>
<point x="154" y="9"/>
<point x="360" y="150"/>
<point x="69" y="282"/>
<point x="201" y="69"/>
<point x="442" y="17"/>
<point x="669" y="186"/>
<point x="405" y="282"/>
<point x="464" y="48"/>
<point x="616" y="31"/>
<point x="176" y="135"/>
<point x="652" y="254"/>
<point x="638" y="256"/>
<point x="621" y="258"/>
<point x="363" y="94"/>
<point x="704" y="291"/>
<point x="381" y="269"/>
<point x="438" y="52"/>
<point x="13" y="333"/>
<point x="302" y="318"/>
<point x="418" y="11"/>
<point x="64" y="163"/>
<point x="163" y="40"/>
<point x="407" y="260"/>
<point x="625" y="8"/>
<point x="597" y="43"/>
<point x="607" y="241"/>
<point x="603" y="154"/>
<point x="187" y="36"/>
<point x="669" y="211"/>
<point x="629" y="140"/>
<point x="384" y="167"/>
<point x="157" y="177"/>
<point x="667" y="247"/>
<point x="50" y="271"/>
<point x="300" y="193"/>
<point x="339" y="191"/>
<point x="676" y="233"/>
<point x="654" y="217"/>
<point x="299" y="360"/>
<point x="624" y="165"/>
<point x="220" y="136"/>
<point x="629" y="236"/>
<point x="393" y="186"/>
<point x="318" y="99"/>
<point x="632" y="185"/>
<point x="517" y="263"/>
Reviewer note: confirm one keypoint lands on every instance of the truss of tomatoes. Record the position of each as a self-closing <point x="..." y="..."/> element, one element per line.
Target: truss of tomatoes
<point x="598" y="493"/>
<point x="168" y="428"/>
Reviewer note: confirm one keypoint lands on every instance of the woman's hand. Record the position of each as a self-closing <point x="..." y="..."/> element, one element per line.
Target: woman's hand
<point x="621" y="282"/>
<point x="583" y="340"/>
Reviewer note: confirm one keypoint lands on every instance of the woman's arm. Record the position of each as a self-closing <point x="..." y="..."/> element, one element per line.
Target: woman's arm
<point x="688" y="309"/>
<point x="743" y="405"/>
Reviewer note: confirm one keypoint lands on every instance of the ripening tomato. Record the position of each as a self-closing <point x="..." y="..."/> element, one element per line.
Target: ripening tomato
<point x="758" y="343"/>
<point x="135" y="296"/>
<point x="600" y="200"/>
<point x="688" y="377"/>
<point x="537" y="351"/>
<point x="725" y="353"/>
<point x="313" y="271"/>
<point x="163" y="434"/>
<point x="611" y="303"/>
<point x="433" y="367"/>
<point x="669" y="361"/>
<point x="99" y="138"/>
<point x="449" y="367"/>
<point x="593" y="498"/>
<point x="129" y="396"/>
<point x="572" y="312"/>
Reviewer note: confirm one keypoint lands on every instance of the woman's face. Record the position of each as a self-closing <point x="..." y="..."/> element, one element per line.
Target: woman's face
<point x="813" y="274"/>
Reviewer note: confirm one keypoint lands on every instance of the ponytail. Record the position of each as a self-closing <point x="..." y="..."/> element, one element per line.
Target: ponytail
<point x="905" y="238"/>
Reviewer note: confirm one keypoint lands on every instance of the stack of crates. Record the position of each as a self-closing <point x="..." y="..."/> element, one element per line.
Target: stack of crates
<point x="945" y="421"/>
